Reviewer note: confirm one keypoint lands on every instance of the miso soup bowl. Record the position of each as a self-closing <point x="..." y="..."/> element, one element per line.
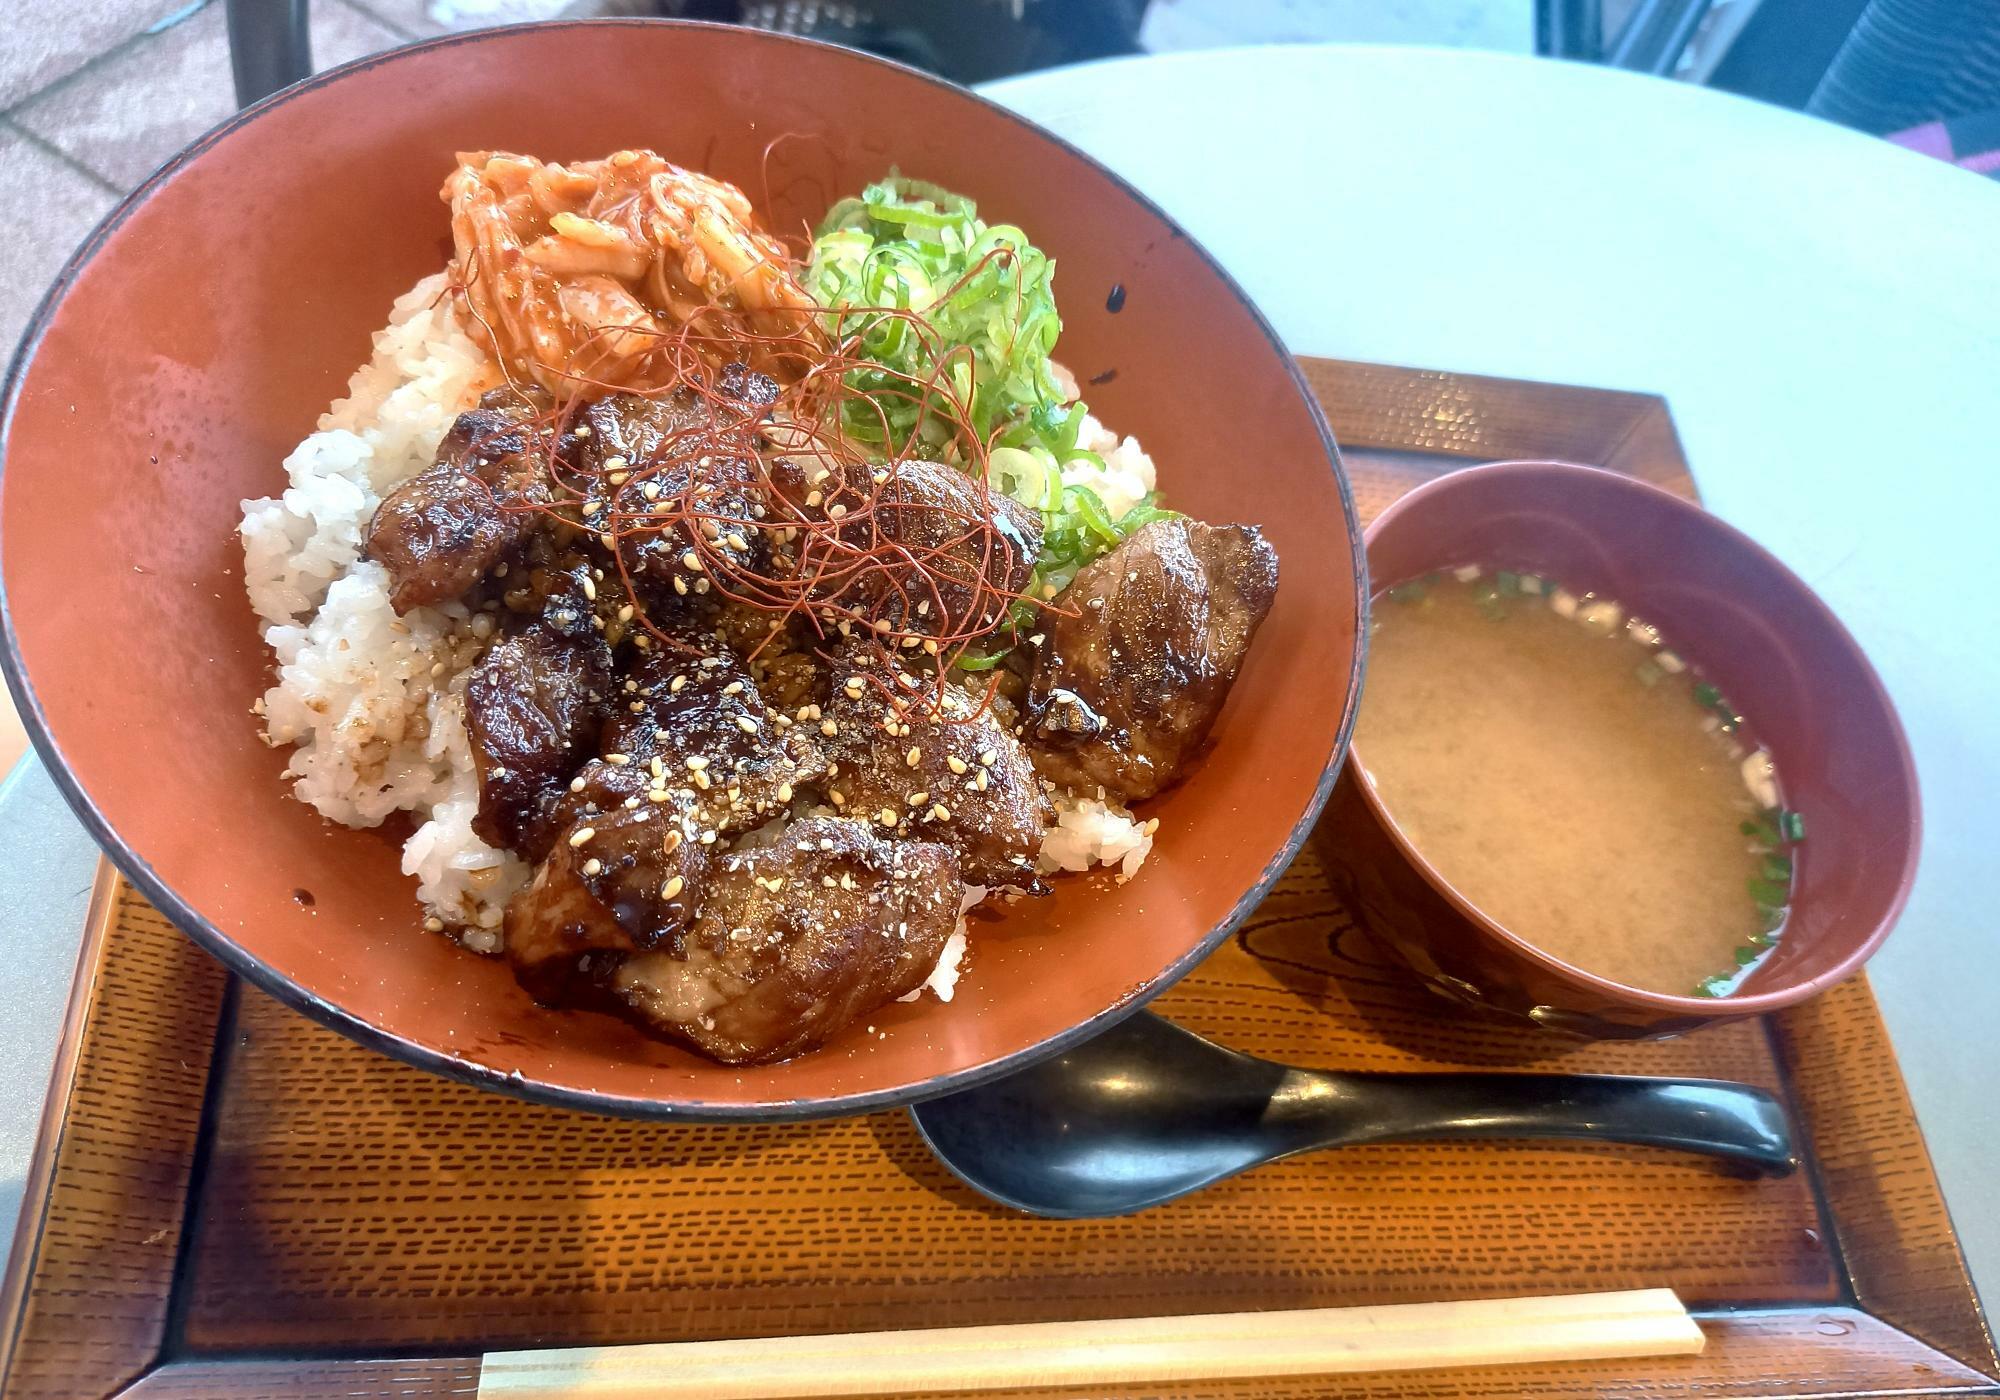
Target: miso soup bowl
<point x="1758" y="633"/>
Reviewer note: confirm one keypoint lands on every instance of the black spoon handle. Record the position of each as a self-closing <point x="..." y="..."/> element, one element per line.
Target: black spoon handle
<point x="1743" y="1126"/>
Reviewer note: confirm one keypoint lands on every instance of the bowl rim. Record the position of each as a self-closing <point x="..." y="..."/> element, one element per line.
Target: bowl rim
<point x="246" y="964"/>
<point x="1417" y="499"/>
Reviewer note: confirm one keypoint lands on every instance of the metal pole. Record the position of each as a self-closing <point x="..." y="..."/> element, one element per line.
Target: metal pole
<point x="269" y="46"/>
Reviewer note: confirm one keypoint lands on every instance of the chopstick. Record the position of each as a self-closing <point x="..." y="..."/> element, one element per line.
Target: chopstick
<point x="1305" y="1342"/>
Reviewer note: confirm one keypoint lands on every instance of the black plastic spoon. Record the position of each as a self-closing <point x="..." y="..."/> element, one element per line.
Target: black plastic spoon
<point x="1147" y="1112"/>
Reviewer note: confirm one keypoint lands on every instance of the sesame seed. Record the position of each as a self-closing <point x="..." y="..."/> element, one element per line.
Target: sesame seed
<point x="853" y="687"/>
<point x="878" y="476"/>
<point x="658" y="794"/>
<point x="828" y="728"/>
<point x="659" y="768"/>
<point x="676" y="683"/>
<point x="955" y="763"/>
<point x="930" y="645"/>
<point x="583" y="430"/>
<point x="981" y="782"/>
<point x="691" y="562"/>
<point x="593" y="866"/>
<point x="887" y="816"/>
<point x="1048" y="590"/>
<point x="613" y="463"/>
<point x="736" y="541"/>
<point x="625" y="613"/>
<point x="914" y="756"/>
<point x="577" y="838"/>
<point x="835" y="511"/>
<point x="607" y="539"/>
<point x="671" y="842"/>
<point x="733" y="688"/>
<point x="701" y="585"/>
<point x="673" y="887"/>
<point x="651" y="490"/>
<point x="909" y="643"/>
<point x="631" y="803"/>
<point x="618" y="760"/>
<point x="576" y="784"/>
<point x="619" y="478"/>
<point x="988" y="758"/>
<point x="707" y="838"/>
<point x="746" y="724"/>
<point x="434" y="924"/>
<point x="821" y="475"/>
<point x="701" y="781"/>
<point x="941" y="813"/>
<point x="918" y="799"/>
<point x="837" y="797"/>
<point x="695" y="763"/>
<point x="784" y="792"/>
<point x="813" y="498"/>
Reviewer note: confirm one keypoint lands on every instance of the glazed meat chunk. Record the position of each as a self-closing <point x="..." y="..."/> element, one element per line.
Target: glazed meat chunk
<point x="687" y="462"/>
<point x="954" y="775"/>
<point x="618" y="881"/>
<point x="533" y="706"/>
<point x="930" y="550"/>
<point x="440" y="532"/>
<point x="701" y="720"/>
<point x="1141" y="651"/>
<point x="795" y="940"/>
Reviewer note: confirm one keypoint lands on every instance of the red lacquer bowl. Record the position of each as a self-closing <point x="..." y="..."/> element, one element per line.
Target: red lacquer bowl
<point x="198" y="334"/>
<point x="1754" y="628"/>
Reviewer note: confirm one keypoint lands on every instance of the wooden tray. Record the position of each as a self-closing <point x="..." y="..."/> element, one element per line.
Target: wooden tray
<point x="230" y="1201"/>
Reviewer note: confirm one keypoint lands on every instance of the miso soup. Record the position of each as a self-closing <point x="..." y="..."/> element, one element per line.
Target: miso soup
<point x="1573" y="777"/>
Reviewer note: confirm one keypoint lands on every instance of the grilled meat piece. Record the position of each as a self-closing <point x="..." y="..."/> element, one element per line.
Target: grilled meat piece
<point x="439" y="532"/>
<point x="1141" y="651"/>
<point x="533" y="706"/>
<point x="686" y="459"/>
<point x="934" y="769"/>
<point x="616" y="882"/>
<point x="936" y="553"/>
<point x="795" y="940"/>
<point x="703" y="720"/>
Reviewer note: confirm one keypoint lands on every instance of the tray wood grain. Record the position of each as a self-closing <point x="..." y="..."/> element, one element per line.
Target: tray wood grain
<point x="232" y="1201"/>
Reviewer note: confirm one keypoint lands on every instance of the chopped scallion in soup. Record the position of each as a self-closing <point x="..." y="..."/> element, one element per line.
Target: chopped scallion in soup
<point x="1575" y="779"/>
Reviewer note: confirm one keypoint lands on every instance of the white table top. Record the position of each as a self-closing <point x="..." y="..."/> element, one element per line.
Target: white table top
<point x="1820" y="308"/>
<point x="1822" y="311"/>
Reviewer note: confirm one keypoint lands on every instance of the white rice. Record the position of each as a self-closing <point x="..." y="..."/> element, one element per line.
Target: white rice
<point x="1095" y="831"/>
<point x="373" y="704"/>
<point x="1127" y="476"/>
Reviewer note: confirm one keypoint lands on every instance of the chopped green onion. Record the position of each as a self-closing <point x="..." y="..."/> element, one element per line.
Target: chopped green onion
<point x="1793" y="824"/>
<point x="1706" y="694"/>
<point x="969" y="662"/>
<point x="1024" y="475"/>
<point x="1777" y="867"/>
<point x="1411" y="592"/>
<point x="1771" y="916"/>
<point x="1508" y="581"/>
<point x="1716" y="986"/>
<point x="1769" y="892"/>
<point x="1747" y="955"/>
